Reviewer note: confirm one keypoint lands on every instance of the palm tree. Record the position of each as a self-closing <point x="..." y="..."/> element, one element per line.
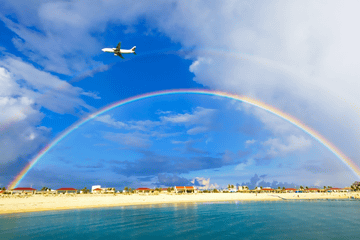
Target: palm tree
<point x="3" y="189"/>
<point x="85" y="190"/>
<point x="44" y="189"/>
<point x="329" y="186"/>
<point x="229" y="186"/>
<point x="232" y="186"/>
<point x="301" y="188"/>
<point x="168" y="189"/>
<point x="126" y="189"/>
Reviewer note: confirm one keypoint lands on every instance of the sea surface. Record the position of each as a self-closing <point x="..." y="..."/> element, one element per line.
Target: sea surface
<point x="298" y="219"/>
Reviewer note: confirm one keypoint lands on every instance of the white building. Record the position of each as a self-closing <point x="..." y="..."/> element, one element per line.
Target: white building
<point x="95" y="187"/>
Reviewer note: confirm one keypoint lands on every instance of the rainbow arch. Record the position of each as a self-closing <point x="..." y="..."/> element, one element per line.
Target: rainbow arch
<point x="347" y="161"/>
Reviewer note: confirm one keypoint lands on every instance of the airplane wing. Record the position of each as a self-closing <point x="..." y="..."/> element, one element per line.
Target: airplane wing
<point x="118" y="46"/>
<point x="119" y="54"/>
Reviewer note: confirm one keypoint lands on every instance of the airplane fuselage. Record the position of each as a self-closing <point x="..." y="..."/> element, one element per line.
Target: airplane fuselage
<point x="118" y="51"/>
<point x="113" y="50"/>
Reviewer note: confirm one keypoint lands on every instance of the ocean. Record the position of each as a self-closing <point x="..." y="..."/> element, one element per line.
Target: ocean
<point x="297" y="219"/>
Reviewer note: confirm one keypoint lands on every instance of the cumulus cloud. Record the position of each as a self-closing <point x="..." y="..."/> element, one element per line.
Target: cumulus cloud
<point x="257" y="181"/>
<point x="203" y="183"/>
<point x="24" y="91"/>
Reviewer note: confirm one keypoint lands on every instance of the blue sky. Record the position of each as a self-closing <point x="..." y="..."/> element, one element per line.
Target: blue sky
<point x="53" y="73"/>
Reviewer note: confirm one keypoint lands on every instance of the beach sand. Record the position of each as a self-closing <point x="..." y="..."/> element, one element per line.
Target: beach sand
<point x="35" y="203"/>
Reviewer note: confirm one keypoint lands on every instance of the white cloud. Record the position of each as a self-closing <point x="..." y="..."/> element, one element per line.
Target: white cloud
<point x="280" y="147"/>
<point x="197" y="130"/>
<point x="93" y="95"/>
<point x="242" y="166"/>
<point x="249" y="142"/>
<point x="199" y="116"/>
<point x="137" y="140"/>
<point x="204" y="182"/>
<point x="110" y="121"/>
<point x="24" y="90"/>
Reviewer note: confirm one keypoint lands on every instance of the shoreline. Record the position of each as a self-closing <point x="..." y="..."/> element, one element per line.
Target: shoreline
<point x="39" y="203"/>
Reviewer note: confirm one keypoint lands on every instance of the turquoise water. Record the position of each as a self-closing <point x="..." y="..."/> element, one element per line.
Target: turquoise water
<point x="339" y="219"/>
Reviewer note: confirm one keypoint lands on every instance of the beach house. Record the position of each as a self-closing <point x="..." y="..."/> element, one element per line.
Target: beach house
<point x="66" y="190"/>
<point x="184" y="189"/>
<point x="313" y="190"/>
<point x="143" y="190"/>
<point x="95" y="187"/>
<point x="23" y="190"/>
<point x="96" y="191"/>
<point x="290" y="190"/>
<point x="267" y="189"/>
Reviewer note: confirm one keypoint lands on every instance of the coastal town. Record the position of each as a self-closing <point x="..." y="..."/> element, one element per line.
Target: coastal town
<point x="27" y="199"/>
<point x="97" y="189"/>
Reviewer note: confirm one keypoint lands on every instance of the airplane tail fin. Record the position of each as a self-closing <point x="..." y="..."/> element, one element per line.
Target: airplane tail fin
<point x="133" y="49"/>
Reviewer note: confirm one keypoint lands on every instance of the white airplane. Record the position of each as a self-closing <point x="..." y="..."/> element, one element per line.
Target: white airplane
<point x="117" y="51"/>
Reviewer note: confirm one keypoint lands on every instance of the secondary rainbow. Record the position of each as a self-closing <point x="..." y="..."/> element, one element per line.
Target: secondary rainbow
<point x="347" y="161"/>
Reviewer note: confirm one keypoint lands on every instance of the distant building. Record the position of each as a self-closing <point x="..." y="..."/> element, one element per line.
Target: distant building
<point x="232" y="190"/>
<point x="99" y="189"/>
<point x="346" y="189"/>
<point x="334" y="189"/>
<point x="66" y="190"/>
<point x="268" y="189"/>
<point x="290" y="190"/>
<point x="23" y="190"/>
<point x="96" y="191"/>
<point x="143" y="190"/>
<point x="95" y="187"/>
<point x="185" y="189"/>
<point x="312" y="190"/>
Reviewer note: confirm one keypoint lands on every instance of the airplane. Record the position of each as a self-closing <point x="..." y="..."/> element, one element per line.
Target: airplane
<point x="117" y="51"/>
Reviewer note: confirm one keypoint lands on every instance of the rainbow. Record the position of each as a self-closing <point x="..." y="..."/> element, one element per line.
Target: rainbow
<point x="347" y="161"/>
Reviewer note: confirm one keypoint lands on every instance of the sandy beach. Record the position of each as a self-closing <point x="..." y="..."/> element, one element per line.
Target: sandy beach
<point x="34" y="203"/>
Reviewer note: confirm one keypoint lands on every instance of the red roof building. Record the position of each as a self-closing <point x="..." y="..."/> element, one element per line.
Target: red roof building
<point x="312" y="189"/>
<point x="290" y="189"/>
<point x="143" y="189"/>
<point x="24" y="189"/>
<point x="184" y="189"/>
